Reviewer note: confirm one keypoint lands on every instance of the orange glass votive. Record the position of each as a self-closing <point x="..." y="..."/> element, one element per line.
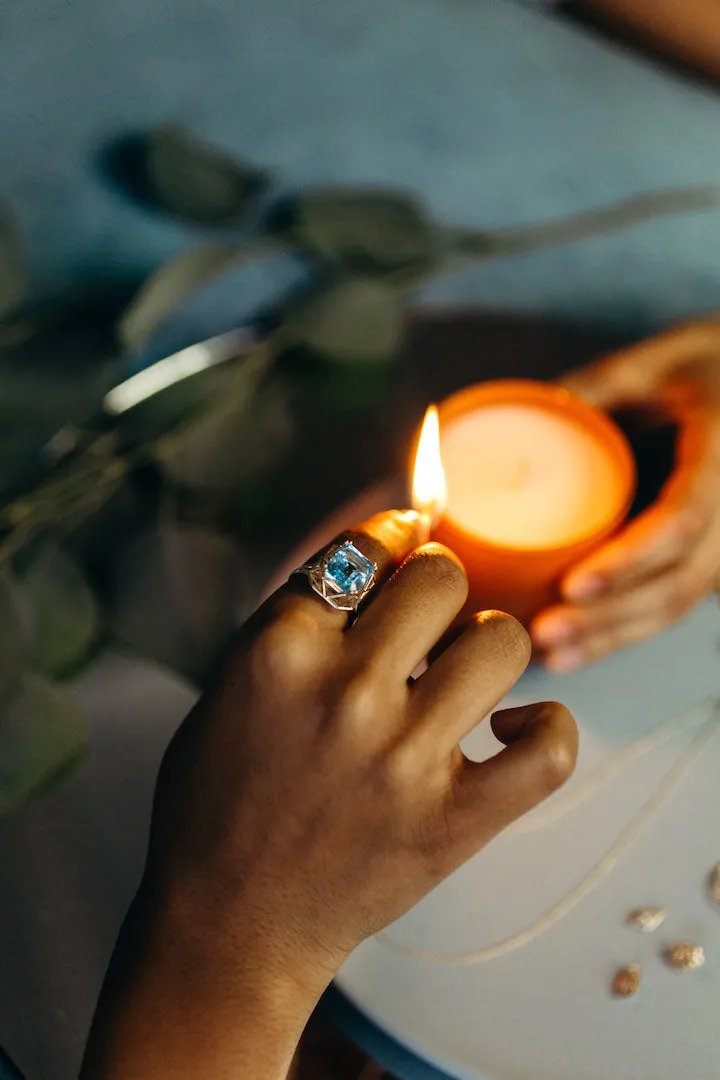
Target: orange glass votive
<point x="536" y="480"/>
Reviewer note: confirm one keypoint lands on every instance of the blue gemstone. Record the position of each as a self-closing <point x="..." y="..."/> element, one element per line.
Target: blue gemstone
<point x="349" y="570"/>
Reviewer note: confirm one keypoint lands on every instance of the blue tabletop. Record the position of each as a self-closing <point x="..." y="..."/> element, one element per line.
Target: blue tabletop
<point x="8" y="1071"/>
<point x="391" y="1054"/>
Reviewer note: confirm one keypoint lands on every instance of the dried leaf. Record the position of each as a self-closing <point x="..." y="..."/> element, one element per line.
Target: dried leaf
<point x="627" y="981"/>
<point x="714" y="883"/>
<point x="176" y="280"/>
<point x="685" y="956"/>
<point x="353" y="320"/>
<point x="368" y="231"/>
<point x="187" y="177"/>
<point x="41" y="736"/>
<point x="647" y="920"/>
<point x="12" y="268"/>
<point x="64" y="613"/>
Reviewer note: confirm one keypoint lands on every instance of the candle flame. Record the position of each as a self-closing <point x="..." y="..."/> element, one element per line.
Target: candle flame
<point x="429" y="489"/>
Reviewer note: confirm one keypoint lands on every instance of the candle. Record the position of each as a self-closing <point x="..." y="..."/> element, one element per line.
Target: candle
<point x="534" y="480"/>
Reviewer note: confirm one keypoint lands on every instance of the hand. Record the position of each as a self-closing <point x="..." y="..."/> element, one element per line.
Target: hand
<point x="312" y="797"/>
<point x="668" y="559"/>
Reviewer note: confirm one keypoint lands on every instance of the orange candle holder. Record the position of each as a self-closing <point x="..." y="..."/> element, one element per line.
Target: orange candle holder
<point x="523" y="579"/>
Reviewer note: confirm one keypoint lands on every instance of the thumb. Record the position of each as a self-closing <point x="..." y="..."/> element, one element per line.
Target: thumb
<point x="616" y="380"/>
<point x="541" y="750"/>
<point x="636" y="374"/>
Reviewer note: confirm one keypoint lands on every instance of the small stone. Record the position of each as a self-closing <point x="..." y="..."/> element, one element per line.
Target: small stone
<point x="647" y="920"/>
<point x="714" y="883"/>
<point x="627" y="981"/>
<point x="685" y="956"/>
<point x="349" y="570"/>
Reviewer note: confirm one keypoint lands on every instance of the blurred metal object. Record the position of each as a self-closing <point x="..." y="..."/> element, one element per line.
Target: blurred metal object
<point x="176" y="367"/>
<point x="151" y="381"/>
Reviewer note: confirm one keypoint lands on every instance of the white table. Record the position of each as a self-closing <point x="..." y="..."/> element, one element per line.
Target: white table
<point x="544" y="1012"/>
<point x="71" y="861"/>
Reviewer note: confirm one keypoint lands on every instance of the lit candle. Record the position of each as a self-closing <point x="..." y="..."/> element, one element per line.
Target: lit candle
<point x="429" y="487"/>
<point x="534" y="479"/>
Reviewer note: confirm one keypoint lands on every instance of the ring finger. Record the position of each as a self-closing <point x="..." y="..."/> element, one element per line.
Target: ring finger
<point x="471" y="676"/>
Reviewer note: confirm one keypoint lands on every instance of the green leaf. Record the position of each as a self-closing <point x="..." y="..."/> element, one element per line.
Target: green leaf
<point x="12" y="268"/>
<point x="187" y="177"/>
<point x="176" y="280"/>
<point x="243" y="434"/>
<point x="42" y="735"/>
<point x="56" y="366"/>
<point x="13" y="625"/>
<point x="353" y="320"/>
<point x="368" y="231"/>
<point x="64" y="613"/>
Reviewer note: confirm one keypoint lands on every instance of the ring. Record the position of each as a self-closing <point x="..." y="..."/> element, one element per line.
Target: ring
<point x="341" y="575"/>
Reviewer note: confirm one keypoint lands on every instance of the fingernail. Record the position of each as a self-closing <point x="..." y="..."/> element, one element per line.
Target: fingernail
<point x="552" y="632"/>
<point x="412" y="520"/>
<point x="584" y="588"/>
<point x="565" y="660"/>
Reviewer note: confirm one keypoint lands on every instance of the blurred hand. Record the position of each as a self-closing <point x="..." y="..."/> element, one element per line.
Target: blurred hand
<point x="311" y="798"/>
<point x="668" y="559"/>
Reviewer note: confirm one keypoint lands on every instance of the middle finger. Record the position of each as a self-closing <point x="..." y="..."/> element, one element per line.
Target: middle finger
<point x="411" y="612"/>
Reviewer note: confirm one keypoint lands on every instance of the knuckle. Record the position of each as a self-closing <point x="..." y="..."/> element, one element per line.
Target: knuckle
<point x="285" y="646"/>
<point x="401" y="768"/>
<point x="358" y="699"/>
<point x="679" y="600"/>
<point x="438" y="568"/>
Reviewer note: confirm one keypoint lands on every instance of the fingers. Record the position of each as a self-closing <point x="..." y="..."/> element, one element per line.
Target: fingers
<point x="386" y="539"/>
<point x="576" y="634"/>
<point x="470" y="677"/>
<point x="411" y="612"/>
<point x="652" y="574"/>
<point x="666" y="534"/>
<point x="634" y="375"/>
<point x="540" y="756"/>
<point x="657" y="540"/>
<point x="611" y="382"/>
